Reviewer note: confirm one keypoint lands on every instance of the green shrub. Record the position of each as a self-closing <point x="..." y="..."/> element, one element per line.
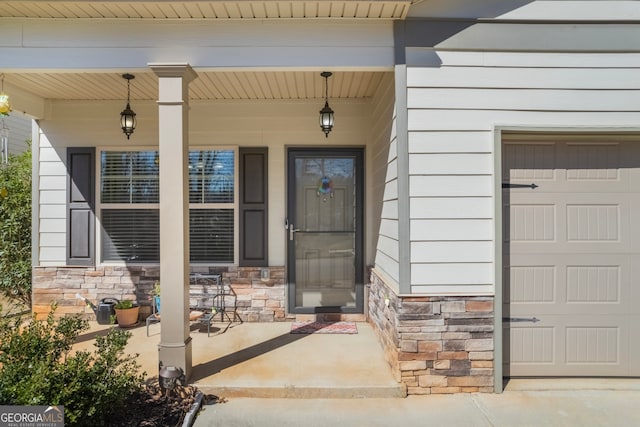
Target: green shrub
<point x="15" y="228"/>
<point x="37" y="367"/>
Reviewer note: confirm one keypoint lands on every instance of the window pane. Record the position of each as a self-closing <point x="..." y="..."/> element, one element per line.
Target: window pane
<point x="145" y="177"/>
<point x="211" y="235"/>
<point x="114" y="173"/>
<point x="211" y="176"/>
<point x="129" y="177"/>
<point x="130" y="235"/>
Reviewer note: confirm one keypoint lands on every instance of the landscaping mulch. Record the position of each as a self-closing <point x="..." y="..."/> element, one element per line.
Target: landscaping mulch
<point x="150" y="407"/>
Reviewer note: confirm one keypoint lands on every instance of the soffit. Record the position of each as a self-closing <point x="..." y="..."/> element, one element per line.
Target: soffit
<point x="217" y="10"/>
<point x="266" y="85"/>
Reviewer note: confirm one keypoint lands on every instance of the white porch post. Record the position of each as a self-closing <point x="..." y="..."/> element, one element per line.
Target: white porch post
<point x="173" y="108"/>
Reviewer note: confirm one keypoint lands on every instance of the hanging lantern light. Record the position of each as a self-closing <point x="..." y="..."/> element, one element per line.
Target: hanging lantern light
<point x="128" y="117"/>
<point x="326" y="114"/>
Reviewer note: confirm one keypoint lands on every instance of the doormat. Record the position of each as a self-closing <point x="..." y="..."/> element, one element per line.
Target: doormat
<point x="324" y="328"/>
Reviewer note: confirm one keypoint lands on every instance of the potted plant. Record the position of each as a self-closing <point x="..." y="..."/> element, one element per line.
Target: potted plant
<point x="155" y="295"/>
<point x="127" y="313"/>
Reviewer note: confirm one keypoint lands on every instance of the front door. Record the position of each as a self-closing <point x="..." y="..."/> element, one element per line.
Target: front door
<point x="324" y="230"/>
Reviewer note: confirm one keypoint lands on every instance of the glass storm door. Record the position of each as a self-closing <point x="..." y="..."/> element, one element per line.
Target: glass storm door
<point x="324" y="230"/>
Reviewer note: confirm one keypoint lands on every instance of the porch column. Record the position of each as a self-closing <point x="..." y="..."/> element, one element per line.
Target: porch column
<point x="173" y="107"/>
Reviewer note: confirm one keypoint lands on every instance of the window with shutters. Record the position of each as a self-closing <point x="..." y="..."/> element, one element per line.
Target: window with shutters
<point x="129" y="205"/>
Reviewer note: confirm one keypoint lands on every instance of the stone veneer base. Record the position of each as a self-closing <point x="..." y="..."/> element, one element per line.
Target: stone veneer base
<point x="257" y="300"/>
<point x="435" y="344"/>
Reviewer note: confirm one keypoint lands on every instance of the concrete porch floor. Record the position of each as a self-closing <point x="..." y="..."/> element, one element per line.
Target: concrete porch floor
<point x="265" y="360"/>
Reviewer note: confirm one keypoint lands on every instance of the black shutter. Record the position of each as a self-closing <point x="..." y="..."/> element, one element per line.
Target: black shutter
<point x="80" y="206"/>
<point x="254" y="213"/>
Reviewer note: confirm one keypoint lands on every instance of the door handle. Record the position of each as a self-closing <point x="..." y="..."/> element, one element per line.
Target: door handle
<point x="520" y="319"/>
<point x="292" y="230"/>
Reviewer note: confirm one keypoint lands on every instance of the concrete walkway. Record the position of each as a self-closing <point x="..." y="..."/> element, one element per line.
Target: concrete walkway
<point x="266" y="360"/>
<point x="614" y="404"/>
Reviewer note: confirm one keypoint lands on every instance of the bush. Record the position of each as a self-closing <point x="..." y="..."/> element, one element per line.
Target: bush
<point x="37" y="367"/>
<point x="15" y="228"/>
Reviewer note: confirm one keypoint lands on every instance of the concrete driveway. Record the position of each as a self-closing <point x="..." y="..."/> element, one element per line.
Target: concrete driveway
<point x="583" y="403"/>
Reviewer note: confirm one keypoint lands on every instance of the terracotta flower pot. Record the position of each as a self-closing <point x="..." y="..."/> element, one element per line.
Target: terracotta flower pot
<point x="127" y="316"/>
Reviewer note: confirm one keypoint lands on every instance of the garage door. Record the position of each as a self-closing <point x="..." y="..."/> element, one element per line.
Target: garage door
<point x="571" y="255"/>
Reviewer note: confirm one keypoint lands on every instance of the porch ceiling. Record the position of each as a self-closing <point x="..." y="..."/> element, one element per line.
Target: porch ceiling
<point x="218" y="85"/>
<point x="142" y="9"/>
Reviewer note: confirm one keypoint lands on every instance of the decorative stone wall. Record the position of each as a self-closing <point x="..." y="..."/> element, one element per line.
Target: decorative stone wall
<point x="257" y="300"/>
<point x="435" y="344"/>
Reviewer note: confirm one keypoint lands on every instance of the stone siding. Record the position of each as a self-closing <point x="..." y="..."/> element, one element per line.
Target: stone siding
<point x="435" y="344"/>
<point x="257" y="300"/>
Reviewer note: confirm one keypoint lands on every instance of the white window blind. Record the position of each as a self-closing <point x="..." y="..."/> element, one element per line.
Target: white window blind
<point x="129" y="195"/>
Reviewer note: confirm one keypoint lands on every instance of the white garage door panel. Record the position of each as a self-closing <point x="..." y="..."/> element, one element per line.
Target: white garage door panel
<point x="569" y="223"/>
<point x="591" y="284"/>
<point x="599" y="346"/>
<point x="571" y="256"/>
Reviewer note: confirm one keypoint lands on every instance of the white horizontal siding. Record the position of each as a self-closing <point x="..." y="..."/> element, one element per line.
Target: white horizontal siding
<point x="452" y="274"/>
<point x="477" y="77"/>
<point x="451" y="207"/>
<point x="53" y="197"/>
<point x="389" y="228"/>
<point x="48" y="182"/>
<point x="451" y="185"/>
<point x="49" y="154"/>
<point x="390" y="209"/>
<point x="524" y="99"/>
<point x="452" y="230"/>
<point x="450" y="164"/>
<point x="451" y="142"/>
<point x="486" y="120"/>
<point x="393" y="145"/>
<point x="390" y="267"/>
<point x="52" y="168"/>
<point x="565" y="10"/>
<point x="454" y="252"/>
<point x="378" y="155"/>
<point x="388" y="245"/>
<point x="52" y="225"/>
<point x="53" y="240"/>
<point x="576" y="10"/>
<point x="388" y="253"/>
<point x="391" y="190"/>
<point x="547" y="61"/>
<point x="392" y="170"/>
<point x="53" y="211"/>
<point x="52" y="255"/>
<point x="454" y="107"/>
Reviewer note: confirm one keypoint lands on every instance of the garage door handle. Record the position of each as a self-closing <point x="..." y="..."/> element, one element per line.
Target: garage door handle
<point x="520" y="319"/>
<point x="510" y="185"/>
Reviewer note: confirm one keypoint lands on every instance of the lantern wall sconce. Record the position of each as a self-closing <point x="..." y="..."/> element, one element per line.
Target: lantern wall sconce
<point x="128" y="117"/>
<point x="326" y="114"/>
